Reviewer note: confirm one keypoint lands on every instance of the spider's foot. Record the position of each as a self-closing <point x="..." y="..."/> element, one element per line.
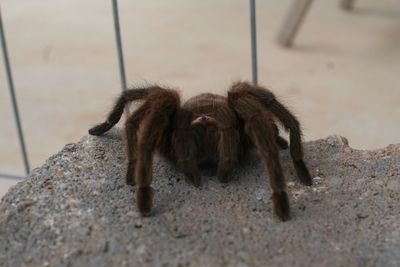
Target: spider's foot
<point x="282" y="143"/>
<point x="144" y="200"/>
<point x="194" y="179"/>
<point x="302" y="172"/>
<point x="225" y="170"/>
<point x="130" y="179"/>
<point x="100" y="129"/>
<point x="224" y="176"/>
<point x="281" y="205"/>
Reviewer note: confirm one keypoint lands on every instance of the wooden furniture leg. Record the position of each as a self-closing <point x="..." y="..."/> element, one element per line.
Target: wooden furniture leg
<point x="347" y="4"/>
<point x="293" y="21"/>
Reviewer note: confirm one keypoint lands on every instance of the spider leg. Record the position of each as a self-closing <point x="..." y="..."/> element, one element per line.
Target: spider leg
<point x="259" y="127"/>
<point x="287" y="119"/>
<point x="187" y="163"/>
<point x="290" y="122"/>
<point x="185" y="148"/>
<point x="228" y="144"/>
<point x="131" y="128"/>
<point x="228" y="153"/>
<point x="282" y="143"/>
<point x="118" y="109"/>
<point x="163" y="106"/>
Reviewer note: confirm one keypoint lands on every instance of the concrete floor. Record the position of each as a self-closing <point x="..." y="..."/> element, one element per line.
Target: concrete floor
<point x="341" y="77"/>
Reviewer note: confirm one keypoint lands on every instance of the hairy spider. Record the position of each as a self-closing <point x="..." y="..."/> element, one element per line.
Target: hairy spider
<point x="207" y="130"/>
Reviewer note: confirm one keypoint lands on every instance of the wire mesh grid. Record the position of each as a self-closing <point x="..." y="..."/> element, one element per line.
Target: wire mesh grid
<point x="120" y="56"/>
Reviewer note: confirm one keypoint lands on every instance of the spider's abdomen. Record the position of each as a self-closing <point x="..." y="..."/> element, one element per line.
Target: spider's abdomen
<point x="204" y="103"/>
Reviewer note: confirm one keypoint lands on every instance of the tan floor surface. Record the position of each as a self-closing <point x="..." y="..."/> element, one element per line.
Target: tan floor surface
<point x="341" y="77"/>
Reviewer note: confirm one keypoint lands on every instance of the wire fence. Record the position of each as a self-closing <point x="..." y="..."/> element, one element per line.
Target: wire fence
<point x="17" y="119"/>
<point x="120" y="56"/>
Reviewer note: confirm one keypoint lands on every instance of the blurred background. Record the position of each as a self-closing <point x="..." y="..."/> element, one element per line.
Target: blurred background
<point x="340" y="77"/>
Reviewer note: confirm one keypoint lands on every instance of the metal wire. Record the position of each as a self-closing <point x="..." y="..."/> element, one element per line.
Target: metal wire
<point x="119" y="44"/>
<point x="121" y="70"/>
<point x="13" y="100"/>
<point x="253" y="31"/>
<point x="11" y="176"/>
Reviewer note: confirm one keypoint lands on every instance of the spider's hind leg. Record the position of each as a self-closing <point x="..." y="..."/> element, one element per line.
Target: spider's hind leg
<point x="100" y="128"/>
<point x="290" y="122"/>
<point x="282" y="143"/>
<point x="115" y="115"/>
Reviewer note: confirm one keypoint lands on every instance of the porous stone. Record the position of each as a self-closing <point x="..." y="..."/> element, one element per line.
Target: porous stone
<point x="76" y="210"/>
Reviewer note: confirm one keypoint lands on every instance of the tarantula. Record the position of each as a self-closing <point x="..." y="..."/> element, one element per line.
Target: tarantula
<point x="207" y="130"/>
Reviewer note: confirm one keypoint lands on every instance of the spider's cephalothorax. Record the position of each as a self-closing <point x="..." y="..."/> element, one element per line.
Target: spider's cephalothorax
<point x="207" y="130"/>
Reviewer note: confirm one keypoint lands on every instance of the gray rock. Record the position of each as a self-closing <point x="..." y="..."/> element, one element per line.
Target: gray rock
<point x="76" y="210"/>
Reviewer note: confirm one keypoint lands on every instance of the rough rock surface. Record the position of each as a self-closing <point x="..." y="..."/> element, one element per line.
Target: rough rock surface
<point x="76" y="210"/>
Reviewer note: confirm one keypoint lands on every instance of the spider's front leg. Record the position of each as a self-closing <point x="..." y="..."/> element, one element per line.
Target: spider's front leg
<point x="228" y="143"/>
<point x="259" y="127"/>
<point x="162" y="106"/>
<point x="284" y="116"/>
<point x="185" y="148"/>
